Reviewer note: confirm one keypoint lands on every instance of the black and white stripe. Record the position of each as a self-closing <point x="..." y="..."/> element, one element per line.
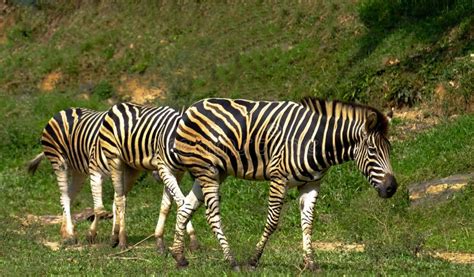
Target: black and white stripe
<point x="68" y="140"/>
<point x="135" y="138"/>
<point x="291" y="144"/>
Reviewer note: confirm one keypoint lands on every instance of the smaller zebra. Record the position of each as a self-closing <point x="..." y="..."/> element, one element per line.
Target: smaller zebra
<point x="68" y="141"/>
<point x="135" y="138"/>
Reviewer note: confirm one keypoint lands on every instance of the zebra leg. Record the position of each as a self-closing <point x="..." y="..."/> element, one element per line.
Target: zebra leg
<point x="159" y="230"/>
<point x="67" y="227"/>
<point x="275" y="203"/>
<point x="191" y="203"/>
<point x="307" y="201"/>
<point x="173" y="190"/>
<point x="96" y="188"/>
<point x="116" y="174"/>
<point x="130" y="175"/>
<point x="69" y="191"/>
<point x="210" y="190"/>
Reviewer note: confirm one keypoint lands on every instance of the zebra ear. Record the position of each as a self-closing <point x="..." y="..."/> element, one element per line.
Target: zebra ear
<point x="371" y="121"/>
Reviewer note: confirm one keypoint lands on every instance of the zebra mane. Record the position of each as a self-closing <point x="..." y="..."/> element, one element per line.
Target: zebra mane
<point x="182" y="110"/>
<point x="315" y="104"/>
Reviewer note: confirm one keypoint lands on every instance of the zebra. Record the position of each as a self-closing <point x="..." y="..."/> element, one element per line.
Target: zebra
<point x="69" y="140"/>
<point x="135" y="138"/>
<point x="291" y="144"/>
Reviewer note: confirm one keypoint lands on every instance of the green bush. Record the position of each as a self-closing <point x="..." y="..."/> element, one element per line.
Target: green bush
<point x="383" y="14"/>
<point x="103" y="90"/>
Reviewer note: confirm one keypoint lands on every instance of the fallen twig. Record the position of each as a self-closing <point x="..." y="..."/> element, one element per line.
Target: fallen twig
<point x="131" y="247"/>
<point x="130" y="258"/>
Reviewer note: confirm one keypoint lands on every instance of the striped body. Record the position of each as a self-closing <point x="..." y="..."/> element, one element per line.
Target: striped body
<point x="288" y="143"/>
<point x="136" y="138"/>
<point x="68" y="141"/>
<point x="70" y="136"/>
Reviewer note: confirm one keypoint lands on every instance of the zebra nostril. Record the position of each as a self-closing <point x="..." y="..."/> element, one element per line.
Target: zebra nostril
<point x="389" y="189"/>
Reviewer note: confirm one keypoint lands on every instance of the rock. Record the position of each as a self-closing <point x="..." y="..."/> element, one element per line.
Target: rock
<point x="438" y="190"/>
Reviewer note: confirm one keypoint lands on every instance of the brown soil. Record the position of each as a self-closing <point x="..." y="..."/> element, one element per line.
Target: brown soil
<point x="86" y="214"/>
<point x="50" y="81"/>
<point x="413" y="121"/>
<point x="139" y="91"/>
<point x="338" y="246"/>
<point x="455" y="257"/>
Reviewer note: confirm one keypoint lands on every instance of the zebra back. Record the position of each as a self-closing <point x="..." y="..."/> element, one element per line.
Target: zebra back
<point x="258" y="139"/>
<point x="69" y="138"/>
<point x="140" y="134"/>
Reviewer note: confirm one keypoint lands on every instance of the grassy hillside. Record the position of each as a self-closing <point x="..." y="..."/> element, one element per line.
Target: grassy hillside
<point x="369" y="51"/>
<point x="90" y="53"/>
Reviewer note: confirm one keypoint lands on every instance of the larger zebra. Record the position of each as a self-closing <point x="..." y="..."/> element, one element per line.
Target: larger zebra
<point x="290" y="144"/>
<point x="135" y="138"/>
<point x="69" y="140"/>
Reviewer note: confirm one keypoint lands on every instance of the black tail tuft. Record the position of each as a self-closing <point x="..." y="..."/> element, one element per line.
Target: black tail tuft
<point x="34" y="163"/>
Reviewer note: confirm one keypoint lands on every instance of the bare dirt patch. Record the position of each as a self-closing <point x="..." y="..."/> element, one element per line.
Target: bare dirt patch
<point x="50" y="81"/>
<point x="338" y="246"/>
<point x="140" y="91"/>
<point x="86" y="214"/>
<point x="411" y="121"/>
<point x="3" y="35"/>
<point x="455" y="257"/>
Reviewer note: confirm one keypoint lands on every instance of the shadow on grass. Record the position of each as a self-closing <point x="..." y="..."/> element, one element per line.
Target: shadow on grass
<point x="427" y="19"/>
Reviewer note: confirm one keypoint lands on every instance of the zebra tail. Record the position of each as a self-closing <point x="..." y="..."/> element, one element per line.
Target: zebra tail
<point x="34" y="163"/>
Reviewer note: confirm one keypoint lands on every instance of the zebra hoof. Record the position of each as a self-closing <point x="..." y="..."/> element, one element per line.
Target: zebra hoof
<point x="91" y="238"/>
<point x="252" y="264"/>
<point x="114" y="241"/>
<point x="160" y="246"/>
<point x="193" y="245"/>
<point x="181" y="261"/>
<point x="122" y="246"/>
<point x="69" y="241"/>
<point x="311" y="266"/>
<point x="235" y="266"/>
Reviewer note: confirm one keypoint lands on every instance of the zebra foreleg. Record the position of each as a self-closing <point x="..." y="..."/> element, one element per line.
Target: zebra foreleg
<point x="191" y="203"/>
<point x="275" y="204"/>
<point x="307" y="201"/>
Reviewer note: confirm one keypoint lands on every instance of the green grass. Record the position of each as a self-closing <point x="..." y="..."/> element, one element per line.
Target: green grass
<point x="337" y="49"/>
<point x="348" y="210"/>
<point x="260" y="51"/>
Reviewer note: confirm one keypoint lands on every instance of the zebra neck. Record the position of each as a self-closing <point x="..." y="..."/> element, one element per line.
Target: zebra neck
<point x="335" y="141"/>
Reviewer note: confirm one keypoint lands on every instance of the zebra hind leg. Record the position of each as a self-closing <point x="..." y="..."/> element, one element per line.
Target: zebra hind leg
<point x="67" y="227"/>
<point x="99" y="211"/>
<point x="159" y="230"/>
<point x="116" y="173"/>
<point x="210" y="190"/>
<point x="307" y="201"/>
<point x="191" y="203"/>
<point x="129" y="177"/>
<point x="275" y="204"/>
<point x="69" y="191"/>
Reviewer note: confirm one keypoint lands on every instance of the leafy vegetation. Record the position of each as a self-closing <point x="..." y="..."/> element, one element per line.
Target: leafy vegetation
<point x="378" y="52"/>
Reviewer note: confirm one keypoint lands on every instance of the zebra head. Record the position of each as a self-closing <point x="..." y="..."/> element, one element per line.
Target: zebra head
<point x="372" y="154"/>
